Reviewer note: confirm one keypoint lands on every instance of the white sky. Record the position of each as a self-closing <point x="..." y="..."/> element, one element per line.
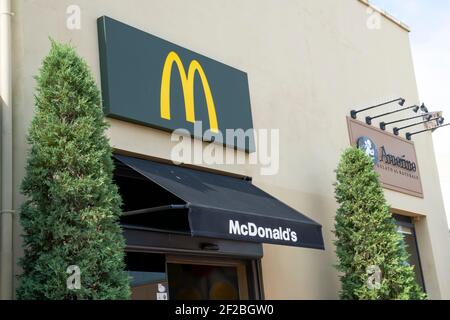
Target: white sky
<point x="429" y="21"/>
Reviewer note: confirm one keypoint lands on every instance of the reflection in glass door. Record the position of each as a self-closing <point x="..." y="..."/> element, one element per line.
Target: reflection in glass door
<point x="148" y="279"/>
<point x="203" y="279"/>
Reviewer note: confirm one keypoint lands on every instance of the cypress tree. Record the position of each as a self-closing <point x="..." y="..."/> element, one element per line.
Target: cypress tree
<point x="367" y="237"/>
<point x="70" y="217"/>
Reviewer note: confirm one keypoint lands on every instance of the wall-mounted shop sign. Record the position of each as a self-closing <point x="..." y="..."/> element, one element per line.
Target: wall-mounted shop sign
<point x="156" y="83"/>
<point x="394" y="158"/>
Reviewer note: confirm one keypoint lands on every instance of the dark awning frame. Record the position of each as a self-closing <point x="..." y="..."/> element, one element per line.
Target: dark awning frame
<point x="155" y="209"/>
<point x="222" y="207"/>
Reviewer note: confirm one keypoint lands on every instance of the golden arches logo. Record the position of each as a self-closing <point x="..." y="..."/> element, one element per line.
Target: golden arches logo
<point x="187" y="84"/>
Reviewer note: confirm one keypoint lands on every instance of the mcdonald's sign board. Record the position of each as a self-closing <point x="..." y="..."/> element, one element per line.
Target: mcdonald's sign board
<point x="153" y="82"/>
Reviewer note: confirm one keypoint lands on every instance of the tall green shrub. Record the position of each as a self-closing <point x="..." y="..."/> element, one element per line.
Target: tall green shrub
<point x="72" y="208"/>
<point x="367" y="238"/>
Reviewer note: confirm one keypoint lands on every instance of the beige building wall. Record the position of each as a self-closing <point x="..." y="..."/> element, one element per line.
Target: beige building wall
<point x="309" y="62"/>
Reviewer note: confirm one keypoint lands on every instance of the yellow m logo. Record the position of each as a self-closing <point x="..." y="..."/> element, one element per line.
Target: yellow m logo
<point x="187" y="83"/>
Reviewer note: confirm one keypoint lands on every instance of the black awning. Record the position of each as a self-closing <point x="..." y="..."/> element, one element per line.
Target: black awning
<point x="218" y="206"/>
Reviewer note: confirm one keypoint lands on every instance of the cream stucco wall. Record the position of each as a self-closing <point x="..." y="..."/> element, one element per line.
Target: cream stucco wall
<point x="308" y="62"/>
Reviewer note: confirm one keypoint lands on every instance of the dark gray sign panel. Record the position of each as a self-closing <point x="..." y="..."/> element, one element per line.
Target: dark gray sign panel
<point x="156" y="83"/>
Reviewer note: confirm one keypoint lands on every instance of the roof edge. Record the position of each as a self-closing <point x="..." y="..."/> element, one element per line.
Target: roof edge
<point x="385" y="14"/>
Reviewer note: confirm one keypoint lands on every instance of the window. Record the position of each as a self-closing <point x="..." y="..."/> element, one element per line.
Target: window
<point x="405" y="227"/>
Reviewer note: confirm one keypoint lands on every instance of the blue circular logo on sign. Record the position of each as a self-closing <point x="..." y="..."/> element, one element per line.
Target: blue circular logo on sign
<point x="369" y="147"/>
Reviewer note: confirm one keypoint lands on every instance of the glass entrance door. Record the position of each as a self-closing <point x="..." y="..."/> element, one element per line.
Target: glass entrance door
<point x="206" y="279"/>
<point x="176" y="277"/>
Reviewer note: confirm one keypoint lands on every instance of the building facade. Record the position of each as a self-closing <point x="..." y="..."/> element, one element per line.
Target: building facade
<point x="308" y="64"/>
